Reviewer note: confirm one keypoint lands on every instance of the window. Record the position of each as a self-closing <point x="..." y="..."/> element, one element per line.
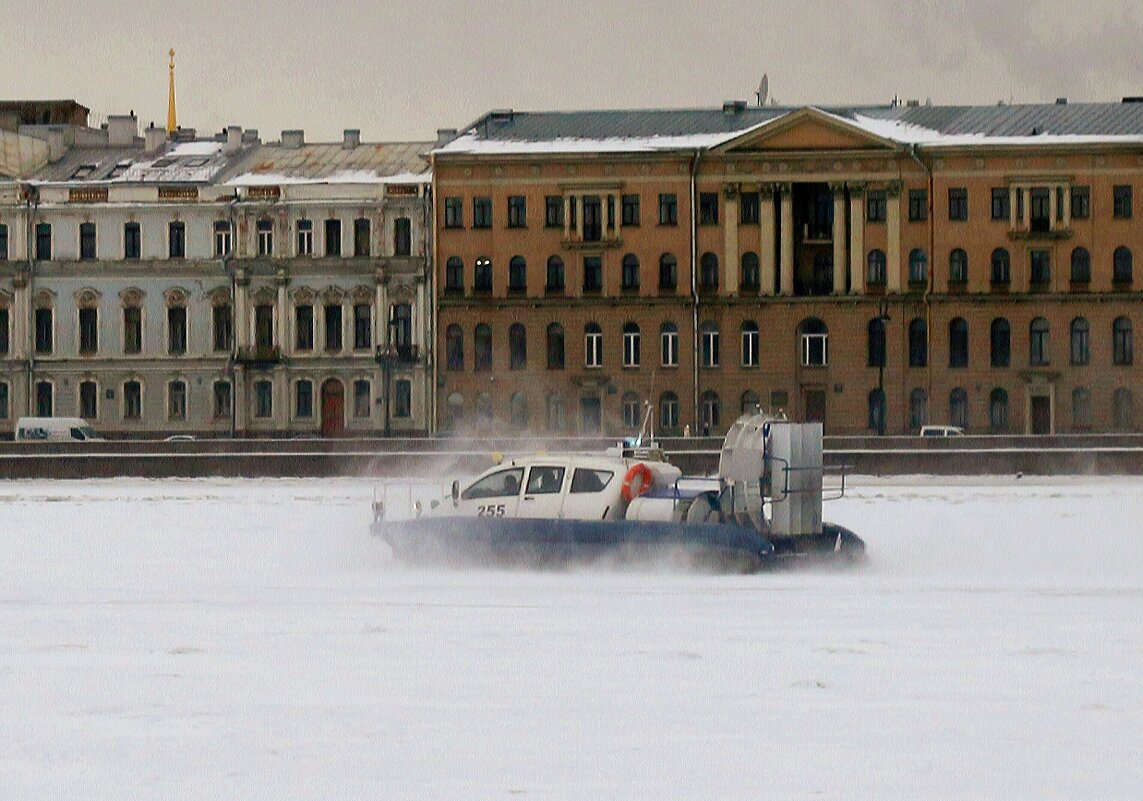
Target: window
<point x="88" y="400"/>
<point x="265" y="232"/>
<point x="918" y="266"/>
<point x="875" y="342"/>
<point x="3" y="246"/>
<point x="132" y="329"/>
<point x="998" y="411"/>
<point x="958" y="266"/>
<point x="362" y="326"/>
<point x="333" y="237"/>
<point x="88" y="330"/>
<point x="749" y="343"/>
<point x="454" y="275"/>
<point x="517" y="211"/>
<point x="815" y="343"/>
<point x="555" y="275"/>
<point x="517" y="347"/>
<point x="958" y="203"/>
<point x="1001" y="203"/>
<point x="44" y="242"/>
<point x="711" y="412"/>
<point x="668" y="411"/>
<point x="630" y="272"/>
<point x="132" y="240"/>
<point x="1041" y="267"/>
<point x="132" y="400"/>
<point x="750" y="279"/>
<point x="333" y="339"/>
<point x="877" y="268"/>
<point x="958" y="408"/>
<point x="482" y="345"/>
<point x="482" y="212"/>
<point x="177" y="240"/>
<point x="875" y="207"/>
<point x="1122" y="346"/>
<point x="222" y="400"/>
<point x="593" y="345"/>
<point x="668" y="209"/>
<point x="586" y="480"/>
<point x="1081" y="408"/>
<point x="1038" y="343"/>
<point x="918" y="408"/>
<point x="304" y="327"/>
<point x="361" y="237"/>
<point x="592" y="274"/>
<point x="630" y="345"/>
<point x="708" y="208"/>
<point x="708" y="272"/>
<point x="403" y="398"/>
<point x="305" y="237"/>
<point x="263" y="326"/>
<point x="553" y="211"/>
<point x="918" y="343"/>
<point x="632" y="407"/>
<point x="44" y="330"/>
<point x="177" y="400"/>
<point x="1121" y="200"/>
<point x="1124" y="413"/>
<point x="668" y="272"/>
<point x="87" y="241"/>
<point x="517" y="275"/>
<point x="958" y="343"/>
<point x="304" y="399"/>
<point x="1081" y="202"/>
<point x="876" y="404"/>
<point x="669" y="344"/>
<point x="1121" y="265"/>
<point x="556" y="413"/>
<point x="1080" y="341"/>
<point x="222" y="324"/>
<point x="518" y="411"/>
<point x="555" y="346"/>
<point x="918" y="205"/>
<point x="362" y="397"/>
<point x="222" y="238"/>
<point x="402" y="236"/>
<point x="1000" y="354"/>
<point x="749" y="208"/>
<point x="454" y="348"/>
<point x="454" y="212"/>
<point x="1001" y="267"/>
<point x="483" y="409"/>
<point x="1081" y="266"/>
<point x="263" y="399"/>
<point x="482" y="275"/>
<point x="5" y="342"/>
<point x="176" y="330"/>
<point x="1041" y="218"/>
<point x="44" y="404"/>
<point x="708" y="343"/>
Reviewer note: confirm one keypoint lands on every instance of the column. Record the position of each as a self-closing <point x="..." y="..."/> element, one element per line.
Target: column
<point x="838" y="191"/>
<point x="893" y="232"/>
<point x="285" y="340"/>
<point x="579" y="221"/>
<point x="1012" y="200"/>
<point x="567" y="217"/>
<point x="418" y="313"/>
<point x="1067" y="208"/>
<point x="20" y="313"/>
<point x="1027" y="192"/>
<point x="379" y="310"/>
<point x="857" y="239"/>
<point x="786" y="265"/>
<point x="383" y="312"/>
<point x="730" y="239"/>
<point x="618" y="214"/>
<point x="1052" y="207"/>
<point x="766" y="238"/>
<point x="241" y="301"/>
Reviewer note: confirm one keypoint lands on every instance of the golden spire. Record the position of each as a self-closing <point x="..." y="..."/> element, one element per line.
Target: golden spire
<point x="172" y="123"/>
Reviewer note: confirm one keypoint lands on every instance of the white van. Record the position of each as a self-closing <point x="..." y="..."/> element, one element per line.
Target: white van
<point x="54" y="429"/>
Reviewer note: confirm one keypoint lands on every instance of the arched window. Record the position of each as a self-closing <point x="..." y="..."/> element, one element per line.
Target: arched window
<point x="519" y="410"/>
<point x="668" y="272"/>
<point x="1121" y="263"/>
<point x="454" y="415"/>
<point x="918" y="343"/>
<point x="958" y="343"/>
<point x="1039" y="352"/>
<point x="1122" y="346"/>
<point x="555" y="343"/>
<point x="454" y="275"/>
<point x="918" y="266"/>
<point x="877" y="411"/>
<point x="669" y="344"/>
<point x="555" y="282"/>
<point x="876" y="268"/>
<point x="958" y="266"/>
<point x="750" y="402"/>
<point x="632" y="408"/>
<point x="709" y="344"/>
<point x="749" y="343"/>
<point x="1124" y="412"/>
<point x="482" y="275"/>
<point x="875" y="342"/>
<point x="1081" y="266"/>
<point x="998" y="411"/>
<point x="958" y="408"/>
<point x="482" y="348"/>
<point x="592" y="345"/>
<point x="557" y="413"/>
<point x="630" y="345"/>
<point x="751" y="274"/>
<point x="1001" y="266"/>
<point x="815" y="342"/>
<point x="517" y="347"/>
<point x="711" y="412"/>
<point x="918" y="408"/>
<point x="708" y="275"/>
<point x="1081" y="408"/>
<point x="630" y="272"/>
<point x="1080" y="341"/>
<point x="454" y="347"/>
<point x="668" y="411"/>
<point x="1001" y="343"/>
<point x="517" y="275"/>
<point x="483" y="409"/>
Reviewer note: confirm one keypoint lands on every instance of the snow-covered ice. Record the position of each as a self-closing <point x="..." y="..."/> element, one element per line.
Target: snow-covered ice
<point x="248" y="639"/>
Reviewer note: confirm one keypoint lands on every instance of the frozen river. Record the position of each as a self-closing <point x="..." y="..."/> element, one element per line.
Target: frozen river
<point x="248" y="639"/>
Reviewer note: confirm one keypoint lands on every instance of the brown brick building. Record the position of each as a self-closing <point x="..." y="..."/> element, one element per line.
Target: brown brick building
<point x="875" y="268"/>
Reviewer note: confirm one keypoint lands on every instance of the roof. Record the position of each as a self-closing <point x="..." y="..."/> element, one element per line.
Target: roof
<point x="195" y="162"/>
<point x="390" y="162"/>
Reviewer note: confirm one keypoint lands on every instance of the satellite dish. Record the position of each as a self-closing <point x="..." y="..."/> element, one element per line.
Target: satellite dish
<point x="763" y="90"/>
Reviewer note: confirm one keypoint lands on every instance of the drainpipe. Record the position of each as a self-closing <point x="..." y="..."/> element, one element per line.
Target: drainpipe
<point x="31" y="209"/>
<point x="694" y="294"/>
<point x="228" y="267"/>
<point x="929" y="286"/>
<point x="431" y="256"/>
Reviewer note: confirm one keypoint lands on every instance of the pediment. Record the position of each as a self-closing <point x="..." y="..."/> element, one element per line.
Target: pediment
<point x="808" y="130"/>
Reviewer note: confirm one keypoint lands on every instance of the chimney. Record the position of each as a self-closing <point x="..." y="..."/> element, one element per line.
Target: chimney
<point x="250" y="137"/>
<point x="732" y="107"/>
<point x="445" y="135"/>
<point x="912" y="103"/>
<point x="233" y="138"/>
<point x="154" y="139"/>
<point x="122" y="129"/>
<point x="293" y="138"/>
<point x="352" y="138"/>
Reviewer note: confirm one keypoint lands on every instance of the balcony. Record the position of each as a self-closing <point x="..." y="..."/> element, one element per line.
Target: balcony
<point x="259" y="357"/>
<point x="392" y="355"/>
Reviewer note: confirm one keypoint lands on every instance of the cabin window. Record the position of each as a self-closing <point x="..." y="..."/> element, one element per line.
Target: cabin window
<point x="587" y="480"/>
<point x="544" y="480"/>
<point x="502" y="484"/>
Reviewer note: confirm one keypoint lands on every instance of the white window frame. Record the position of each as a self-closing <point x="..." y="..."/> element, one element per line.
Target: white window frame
<point x="750" y="340"/>
<point x="304" y="243"/>
<point x="593" y="349"/>
<point x="631" y="348"/>
<point x="669" y="348"/>
<point x="809" y="351"/>
<point x="710" y="348"/>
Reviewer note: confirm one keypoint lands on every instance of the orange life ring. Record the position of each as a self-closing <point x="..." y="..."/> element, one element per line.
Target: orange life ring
<point x="637" y="481"/>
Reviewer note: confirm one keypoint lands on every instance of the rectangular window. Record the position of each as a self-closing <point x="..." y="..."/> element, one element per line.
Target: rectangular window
<point x="958" y="203"/>
<point x="1081" y="202"/>
<point x="482" y="212"/>
<point x="88" y="331"/>
<point x="361" y="236"/>
<point x="362" y="326"/>
<point x="361" y="398"/>
<point x="87" y="241"/>
<point x="132" y="329"/>
<point x="918" y="205"/>
<point x="4" y="404"/>
<point x="305" y="230"/>
<point x="304" y="399"/>
<point x="132" y="240"/>
<point x="553" y="211"/>
<point x="593" y="349"/>
<point x="88" y="400"/>
<point x="402" y="236"/>
<point x="749" y="208"/>
<point x="5" y="336"/>
<point x="815" y="350"/>
<point x="45" y="403"/>
<point x="1001" y="203"/>
<point x="517" y="211"/>
<point x="263" y="399"/>
<point x="708" y="208"/>
<point x="177" y="400"/>
<point x="670" y="348"/>
<point x="3" y="242"/>
<point x="592" y="274"/>
<point x="403" y="398"/>
<point x="668" y="209"/>
<point x="263" y="327"/>
<point x="630" y="210"/>
<point x="333" y="237"/>
<point x="876" y="206"/>
<point x="44" y="241"/>
<point x="222" y="400"/>
<point x="177" y="330"/>
<point x="222" y="323"/>
<point x="1041" y="267"/>
<point x="1122" y="201"/>
<point x="304" y="327"/>
<point x="1041" y="211"/>
<point x="333" y="327"/>
<point x="132" y="400"/>
<point x="223" y="242"/>
<point x="265" y="230"/>
<point x="177" y="240"/>
<point x="44" y="330"/>
<point x="454" y="212"/>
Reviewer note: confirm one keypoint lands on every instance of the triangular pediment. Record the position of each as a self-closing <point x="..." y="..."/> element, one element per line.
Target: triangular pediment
<point x="808" y="129"/>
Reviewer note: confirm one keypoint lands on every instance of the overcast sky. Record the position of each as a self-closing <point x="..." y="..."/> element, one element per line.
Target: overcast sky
<point x="400" y="69"/>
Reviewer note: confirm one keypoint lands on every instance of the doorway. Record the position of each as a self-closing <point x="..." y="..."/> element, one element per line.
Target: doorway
<point x="332" y="408"/>
<point x="592" y="418"/>
<point x="1041" y="414"/>
<point x="815" y="403"/>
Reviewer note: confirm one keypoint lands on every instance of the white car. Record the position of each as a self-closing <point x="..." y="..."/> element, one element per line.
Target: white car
<point x="941" y="431"/>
